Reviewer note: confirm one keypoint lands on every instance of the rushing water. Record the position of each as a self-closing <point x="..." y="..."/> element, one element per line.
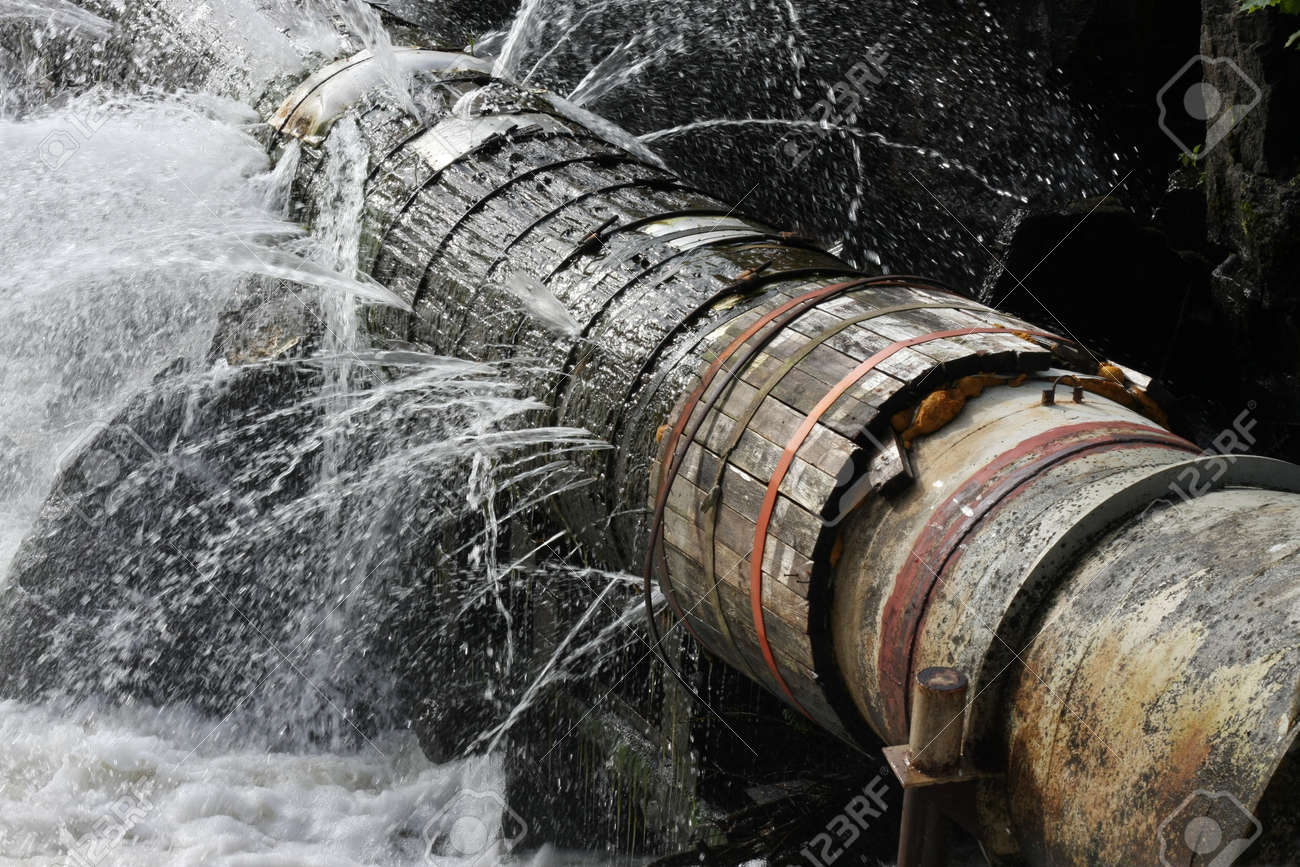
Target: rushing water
<point x="790" y="106"/>
<point x="163" y="216"/>
<point x="147" y="217"/>
<point x="285" y="552"/>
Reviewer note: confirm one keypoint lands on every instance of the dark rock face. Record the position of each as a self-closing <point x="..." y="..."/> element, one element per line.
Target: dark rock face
<point x="1123" y="287"/>
<point x="224" y="534"/>
<point x="451" y="22"/>
<point x="1252" y="186"/>
<point x="137" y="488"/>
<point x="1115" y="55"/>
<point x="1192" y="273"/>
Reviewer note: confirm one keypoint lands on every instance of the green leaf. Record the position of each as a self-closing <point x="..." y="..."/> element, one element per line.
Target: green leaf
<point x="1290" y="7"/>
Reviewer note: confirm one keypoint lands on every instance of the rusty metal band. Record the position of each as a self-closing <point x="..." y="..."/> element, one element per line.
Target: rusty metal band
<point x="361" y="118"/>
<point x="306" y="96"/>
<point x="748" y="239"/>
<point x="664" y="183"/>
<point x="941" y="541"/>
<point x="654" y="243"/>
<point x="681" y="262"/>
<point x="807" y="349"/>
<point x="708" y="303"/>
<point x="750" y="285"/>
<point x="603" y="159"/>
<point x="672" y="459"/>
<point x="713" y="494"/>
<point x="650" y="242"/>
<point x="420" y="129"/>
<point x="585" y="241"/>
<point x="614" y="420"/>
<point x="663" y="216"/>
<point x="1050" y="565"/>
<point x="787" y="459"/>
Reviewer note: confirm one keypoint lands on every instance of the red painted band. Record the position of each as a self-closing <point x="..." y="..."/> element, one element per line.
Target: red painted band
<point x="669" y="467"/>
<point x="787" y="459"/>
<point x="671" y="461"/>
<point x="940" y="543"/>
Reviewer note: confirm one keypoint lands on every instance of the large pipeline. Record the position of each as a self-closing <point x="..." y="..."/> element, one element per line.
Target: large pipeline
<point x="849" y="477"/>
<point x="840" y="478"/>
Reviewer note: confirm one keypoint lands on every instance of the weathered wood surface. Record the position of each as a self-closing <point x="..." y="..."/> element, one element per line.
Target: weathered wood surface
<point x="712" y="542"/>
<point x="658" y="280"/>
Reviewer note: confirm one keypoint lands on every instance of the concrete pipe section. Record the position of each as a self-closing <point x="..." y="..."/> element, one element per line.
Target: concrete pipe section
<point x="840" y="478"/>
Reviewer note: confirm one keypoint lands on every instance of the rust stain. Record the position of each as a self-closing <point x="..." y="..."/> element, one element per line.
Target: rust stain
<point x="940" y="540"/>
<point x="941" y="406"/>
<point x="1130" y="397"/>
<point x="1113" y="372"/>
<point x="837" y="550"/>
<point x="1139" y="710"/>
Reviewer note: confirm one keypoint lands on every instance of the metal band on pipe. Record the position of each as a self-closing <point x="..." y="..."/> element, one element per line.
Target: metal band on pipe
<point x="672" y="459"/>
<point x="787" y="459"/>
<point x="713" y="494"/>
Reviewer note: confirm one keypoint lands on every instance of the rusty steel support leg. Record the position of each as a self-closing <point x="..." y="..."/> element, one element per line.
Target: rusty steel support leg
<point x="923" y="835"/>
<point x="930" y="766"/>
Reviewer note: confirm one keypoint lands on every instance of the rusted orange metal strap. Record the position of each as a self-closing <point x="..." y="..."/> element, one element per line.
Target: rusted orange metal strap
<point x="787" y="459"/>
<point x="672" y="461"/>
<point x="713" y="493"/>
<point x="671" y="464"/>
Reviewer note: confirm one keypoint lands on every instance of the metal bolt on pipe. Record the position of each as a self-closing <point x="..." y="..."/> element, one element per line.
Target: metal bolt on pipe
<point x="842" y="479"/>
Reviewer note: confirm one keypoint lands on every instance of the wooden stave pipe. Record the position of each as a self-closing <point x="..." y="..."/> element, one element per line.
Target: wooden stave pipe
<point x="602" y="513"/>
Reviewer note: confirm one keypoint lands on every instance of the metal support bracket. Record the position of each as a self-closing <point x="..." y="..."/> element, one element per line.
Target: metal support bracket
<point x="935" y="776"/>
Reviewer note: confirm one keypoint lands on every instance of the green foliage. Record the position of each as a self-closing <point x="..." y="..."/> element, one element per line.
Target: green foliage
<point x="1289" y="7"/>
<point x="1190" y="160"/>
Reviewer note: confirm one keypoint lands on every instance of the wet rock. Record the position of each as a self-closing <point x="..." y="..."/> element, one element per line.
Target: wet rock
<point x="1096" y="270"/>
<point x="1115" y="55"/>
<point x="452" y="23"/>
<point x="1181" y="213"/>
<point x="1253" y="176"/>
<point x="1129" y="290"/>
<point x="121" y="535"/>
<point x="1252" y="182"/>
